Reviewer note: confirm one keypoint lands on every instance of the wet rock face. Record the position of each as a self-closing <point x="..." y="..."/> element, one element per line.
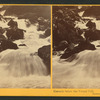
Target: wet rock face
<point x="5" y="44"/>
<point x="82" y="46"/>
<point x="43" y="24"/>
<point x="46" y="34"/>
<point x="62" y="46"/>
<point x="32" y="13"/>
<point x="44" y="53"/>
<point x="64" y="26"/>
<point x="92" y="35"/>
<point x="15" y="34"/>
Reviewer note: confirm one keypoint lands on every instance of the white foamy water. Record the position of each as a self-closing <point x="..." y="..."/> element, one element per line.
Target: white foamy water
<point x="23" y="68"/>
<point x="81" y="13"/>
<point x="83" y="71"/>
<point x="82" y="25"/>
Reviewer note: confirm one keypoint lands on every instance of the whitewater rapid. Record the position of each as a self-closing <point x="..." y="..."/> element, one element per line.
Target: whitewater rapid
<point x="23" y="68"/>
<point x="81" y="72"/>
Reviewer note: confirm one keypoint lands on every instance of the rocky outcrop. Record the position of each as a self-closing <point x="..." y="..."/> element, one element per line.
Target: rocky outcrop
<point x="64" y="26"/>
<point x="44" y="53"/>
<point x="5" y="44"/>
<point x="92" y="35"/>
<point x="33" y="14"/>
<point x="43" y="25"/>
<point x="62" y="46"/>
<point x="15" y="34"/>
<point x="46" y="34"/>
<point x="85" y="45"/>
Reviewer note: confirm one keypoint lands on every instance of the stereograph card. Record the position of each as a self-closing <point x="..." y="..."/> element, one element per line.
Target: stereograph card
<point x="50" y="49"/>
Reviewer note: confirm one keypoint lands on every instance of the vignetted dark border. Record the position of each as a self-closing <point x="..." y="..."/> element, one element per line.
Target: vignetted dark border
<point x="48" y="98"/>
<point x="49" y="1"/>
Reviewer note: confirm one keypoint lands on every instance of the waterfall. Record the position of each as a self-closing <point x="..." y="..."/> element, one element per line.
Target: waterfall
<point x="21" y="63"/>
<point x="23" y="68"/>
<point x="81" y="70"/>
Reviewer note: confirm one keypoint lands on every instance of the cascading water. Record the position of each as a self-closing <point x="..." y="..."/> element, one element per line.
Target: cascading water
<point x="23" y="68"/>
<point x="81" y="70"/>
<point x="17" y="63"/>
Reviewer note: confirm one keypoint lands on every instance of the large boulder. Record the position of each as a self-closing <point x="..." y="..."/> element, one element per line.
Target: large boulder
<point x="64" y="19"/>
<point x="91" y="24"/>
<point x="62" y="46"/>
<point x="92" y="35"/>
<point x="15" y="34"/>
<point x="85" y="45"/>
<point x="46" y="34"/>
<point x="43" y="24"/>
<point x="44" y="53"/>
<point x="5" y="44"/>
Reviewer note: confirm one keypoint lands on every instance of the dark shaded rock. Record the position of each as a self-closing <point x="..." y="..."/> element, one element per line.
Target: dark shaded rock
<point x="85" y="45"/>
<point x="15" y="34"/>
<point x="91" y="24"/>
<point x="82" y="46"/>
<point x="92" y="35"/>
<point x="64" y="25"/>
<point x="43" y="24"/>
<point x="62" y="45"/>
<point x="44" y="53"/>
<point x="98" y="46"/>
<point x="46" y="34"/>
<point x="5" y="44"/>
<point x="22" y="44"/>
<point x="42" y="36"/>
<point x="12" y="23"/>
<point x="32" y="13"/>
<point x="2" y="30"/>
<point x="2" y="37"/>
